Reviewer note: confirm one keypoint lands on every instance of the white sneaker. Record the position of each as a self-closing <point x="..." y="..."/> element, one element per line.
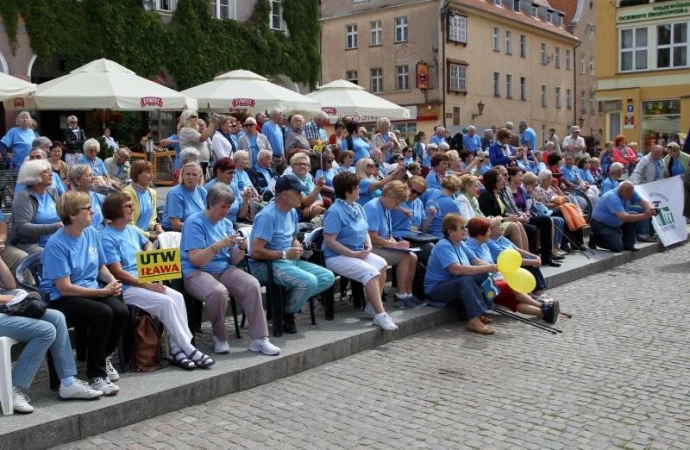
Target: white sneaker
<point x="369" y="310"/>
<point x="104" y="385"/>
<point x="384" y="321"/>
<point x="264" y="346"/>
<point x="220" y="347"/>
<point x="21" y="401"/>
<point x="110" y="370"/>
<point x="80" y="390"/>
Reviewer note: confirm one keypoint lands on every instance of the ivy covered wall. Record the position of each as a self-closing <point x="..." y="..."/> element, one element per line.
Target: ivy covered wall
<point x="194" y="47"/>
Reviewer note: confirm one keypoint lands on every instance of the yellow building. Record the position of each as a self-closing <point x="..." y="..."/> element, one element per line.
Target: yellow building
<point x="643" y="70"/>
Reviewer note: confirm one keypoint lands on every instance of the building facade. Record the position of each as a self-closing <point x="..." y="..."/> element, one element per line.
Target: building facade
<point x="643" y="73"/>
<point x="486" y="62"/>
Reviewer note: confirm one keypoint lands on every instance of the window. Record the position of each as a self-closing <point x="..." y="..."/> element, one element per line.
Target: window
<point x="276" y="15"/>
<point x="495" y="44"/>
<point x="166" y="5"/>
<point x="497" y="84"/>
<point x="591" y="65"/>
<point x="376" y="80"/>
<point x="457" y="77"/>
<point x="516" y="5"/>
<point x="658" y="118"/>
<point x="557" y="57"/>
<point x="582" y="63"/>
<point x="583" y="102"/>
<point x="509" y="86"/>
<point x="509" y="42"/>
<point x="523" y="88"/>
<point x="672" y="45"/>
<point x="633" y="49"/>
<point x="558" y="97"/>
<point x="498" y="3"/>
<point x="547" y="19"/>
<point x="401" y="29"/>
<point x="523" y="46"/>
<point x="225" y="9"/>
<point x="543" y="96"/>
<point x="569" y="99"/>
<point x="457" y="28"/>
<point x="567" y="59"/>
<point x="535" y="11"/>
<point x="402" y="82"/>
<point x="350" y="36"/>
<point x="352" y="76"/>
<point x="592" y="103"/>
<point x="544" y="59"/>
<point x="375" y="33"/>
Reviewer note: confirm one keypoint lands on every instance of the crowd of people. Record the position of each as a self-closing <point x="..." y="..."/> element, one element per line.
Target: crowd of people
<point x="439" y="213"/>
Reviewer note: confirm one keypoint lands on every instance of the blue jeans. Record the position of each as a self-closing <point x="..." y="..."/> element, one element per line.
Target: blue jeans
<point x="463" y="289"/>
<point x="302" y="280"/>
<point x="559" y="222"/>
<point x="614" y="239"/>
<point x="49" y="332"/>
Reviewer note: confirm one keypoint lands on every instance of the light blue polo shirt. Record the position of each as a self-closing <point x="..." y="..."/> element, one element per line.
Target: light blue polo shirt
<point x="443" y="255"/>
<point x="199" y="233"/>
<point x="348" y="231"/>
<point x="122" y="246"/>
<point x="610" y="204"/>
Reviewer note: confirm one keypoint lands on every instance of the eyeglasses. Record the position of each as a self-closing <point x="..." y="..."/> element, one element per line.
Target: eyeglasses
<point x="249" y="124"/>
<point x="416" y="192"/>
<point x="300" y="164"/>
<point x="128" y="205"/>
<point x="86" y="208"/>
<point x="371" y="166"/>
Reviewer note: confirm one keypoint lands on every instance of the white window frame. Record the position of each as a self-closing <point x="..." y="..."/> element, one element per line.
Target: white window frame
<point x="166" y="5"/>
<point x="569" y="99"/>
<point x="498" y="3"/>
<point x="583" y="64"/>
<point x="401" y="29"/>
<point x="634" y="49"/>
<point x="567" y="59"/>
<point x="457" y="77"/>
<point x="557" y="57"/>
<point x="352" y="76"/>
<point x="516" y="6"/>
<point x="534" y="10"/>
<point x="672" y="46"/>
<point x="583" y="102"/>
<point x="548" y="17"/>
<point x="544" y="102"/>
<point x="523" y="46"/>
<point x="376" y="77"/>
<point x="509" y="85"/>
<point x="230" y="7"/>
<point x="350" y="36"/>
<point x="497" y="84"/>
<point x="457" y="28"/>
<point x="375" y="33"/>
<point x="496" y="39"/>
<point x="558" y="97"/>
<point x="591" y="65"/>
<point x="543" y="54"/>
<point x="523" y="88"/>
<point x="509" y="42"/>
<point x="276" y="17"/>
<point x="402" y="78"/>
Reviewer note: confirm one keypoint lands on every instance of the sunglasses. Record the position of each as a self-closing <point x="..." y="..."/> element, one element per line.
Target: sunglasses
<point x="371" y="166"/>
<point x="193" y="117"/>
<point x="416" y="192"/>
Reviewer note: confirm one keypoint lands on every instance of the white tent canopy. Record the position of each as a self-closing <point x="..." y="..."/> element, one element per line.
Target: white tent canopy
<point x="12" y="87"/>
<point x="342" y="98"/>
<point x="245" y="90"/>
<point x="102" y="84"/>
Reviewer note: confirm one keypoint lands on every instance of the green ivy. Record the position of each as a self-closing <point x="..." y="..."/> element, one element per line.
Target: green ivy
<point x="194" y="47"/>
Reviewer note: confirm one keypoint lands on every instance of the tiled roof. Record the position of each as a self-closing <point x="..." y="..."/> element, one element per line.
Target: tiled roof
<point x="568" y="7"/>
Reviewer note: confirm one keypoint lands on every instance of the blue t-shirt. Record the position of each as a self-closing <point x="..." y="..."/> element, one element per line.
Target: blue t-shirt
<point x="571" y="174"/>
<point x="471" y="143"/>
<point x="181" y="203"/>
<point x="529" y="139"/>
<point x="199" y="233"/>
<point x="274" y="134"/>
<point x="586" y="175"/>
<point x="97" y="166"/>
<point x="612" y="203"/>
<point x="145" y="208"/>
<point x="19" y="140"/>
<point x="477" y="250"/>
<point x="365" y="194"/>
<point x="97" y="205"/>
<point x="349" y="231"/>
<point x="327" y="175"/>
<point x="435" y="139"/>
<point x="311" y="185"/>
<point x="176" y="147"/>
<point x="379" y="218"/>
<point x="444" y="204"/>
<point x="496" y="246"/>
<point x="236" y="204"/>
<point x="122" y="246"/>
<point x="58" y="184"/>
<point x="241" y="180"/>
<point x="45" y="214"/>
<point x="401" y="224"/>
<point x="276" y="227"/>
<point x="608" y="184"/>
<point x="361" y="149"/>
<point x="76" y="257"/>
<point x="433" y="181"/>
<point x="253" y="150"/>
<point x="443" y="255"/>
<point x="677" y="167"/>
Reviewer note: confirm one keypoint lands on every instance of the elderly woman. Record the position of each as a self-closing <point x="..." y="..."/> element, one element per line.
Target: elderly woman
<point x="451" y="279"/>
<point x="606" y="158"/>
<point x="18" y="139"/>
<point x="411" y="216"/>
<point x="529" y="183"/>
<point x="121" y="243"/>
<point x="479" y="254"/>
<point x="224" y="142"/>
<point x="440" y="202"/>
<point x="491" y="205"/>
<point x="348" y="249"/>
<point x="379" y="218"/>
<point x="56" y="163"/>
<point x="295" y="140"/>
<point x="210" y="254"/>
<point x="356" y="142"/>
<point x="223" y="172"/>
<point x="73" y="265"/>
<point x="144" y="213"/>
<point x="551" y="196"/>
<point x="81" y="178"/>
<point x="118" y="168"/>
<point x="623" y="154"/>
<point x="431" y="150"/>
<point x="187" y="155"/>
<point x="39" y="153"/>
<point x="439" y="167"/>
<point x="90" y="157"/>
<point x="184" y="199"/>
<point x="675" y="162"/>
<point x="501" y="152"/>
<point x="242" y="181"/>
<point x="34" y="214"/>
<point x="385" y="139"/>
<point x="191" y="136"/>
<point x="312" y="204"/>
<point x="253" y="141"/>
<point x="74" y="141"/>
<point x="369" y="185"/>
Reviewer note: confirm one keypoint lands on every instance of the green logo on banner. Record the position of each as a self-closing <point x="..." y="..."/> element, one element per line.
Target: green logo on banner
<point x="665" y="216"/>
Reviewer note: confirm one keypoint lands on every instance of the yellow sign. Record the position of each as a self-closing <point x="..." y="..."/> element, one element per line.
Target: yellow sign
<point x="158" y="265"/>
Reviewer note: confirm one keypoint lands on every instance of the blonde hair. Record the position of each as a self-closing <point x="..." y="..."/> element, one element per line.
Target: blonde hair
<point x="397" y="190"/>
<point x="452" y="183"/>
<point x="530" y="179"/>
<point x="361" y="168"/>
<point x="297" y="157"/>
<point x="466" y="181"/>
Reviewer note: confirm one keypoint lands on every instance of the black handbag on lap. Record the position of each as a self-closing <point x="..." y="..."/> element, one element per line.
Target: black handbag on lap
<point x="32" y="306"/>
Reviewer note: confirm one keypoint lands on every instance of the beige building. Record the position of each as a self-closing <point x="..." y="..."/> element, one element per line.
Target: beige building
<point x="488" y="61"/>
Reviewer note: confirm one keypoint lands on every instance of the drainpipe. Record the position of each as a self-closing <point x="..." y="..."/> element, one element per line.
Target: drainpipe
<point x="443" y="10"/>
<point x="575" y="93"/>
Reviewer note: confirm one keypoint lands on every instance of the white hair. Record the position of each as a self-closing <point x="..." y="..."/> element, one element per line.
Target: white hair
<point x="30" y="172"/>
<point x="92" y="143"/>
<point x="189" y="154"/>
<point x="240" y="153"/>
<point x="544" y="174"/>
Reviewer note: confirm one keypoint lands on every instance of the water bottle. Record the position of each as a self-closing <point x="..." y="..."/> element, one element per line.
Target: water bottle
<point x="240" y="185"/>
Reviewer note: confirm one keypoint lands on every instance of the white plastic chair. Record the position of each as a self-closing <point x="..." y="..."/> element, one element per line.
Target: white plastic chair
<point x="6" y="344"/>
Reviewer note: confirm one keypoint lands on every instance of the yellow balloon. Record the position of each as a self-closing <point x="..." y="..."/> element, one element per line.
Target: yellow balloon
<point x="521" y="281"/>
<point x="509" y="260"/>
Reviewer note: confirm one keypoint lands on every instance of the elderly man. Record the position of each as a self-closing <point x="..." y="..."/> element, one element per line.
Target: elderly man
<point x="273" y="130"/>
<point x="612" y="181"/>
<point x="439" y="135"/>
<point x="377" y="156"/>
<point x="528" y="137"/>
<point x="262" y="176"/>
<point x="614" y="225"/>
<point x="295" y="140"/>
<point x="488" y="139"/>
<point x="118" y="168"/>
<point x="274" y="237"/>
<point x="314" y="131"/>
<point x="253" y="141"/>
<point x="651" y="166"/>
<point x="515" y="140"/>
<point x="574" y="144"/>
<point x="471" y="141"/>
<point x="553" y="137"/>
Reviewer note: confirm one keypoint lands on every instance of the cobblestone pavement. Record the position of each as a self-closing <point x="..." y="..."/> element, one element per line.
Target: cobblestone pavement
<point x="617" y="377"/>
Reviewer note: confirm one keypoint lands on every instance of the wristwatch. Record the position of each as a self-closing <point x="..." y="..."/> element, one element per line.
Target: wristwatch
<point x="284" y="255"/>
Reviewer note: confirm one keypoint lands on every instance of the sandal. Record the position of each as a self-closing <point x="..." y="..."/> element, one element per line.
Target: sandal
<point x="203" y="361"/>
<point x="179" y="359"/>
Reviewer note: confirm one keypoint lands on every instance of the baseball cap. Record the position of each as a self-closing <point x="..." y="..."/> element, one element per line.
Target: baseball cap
<point x="290" y="181"/>
<point x="574" y="129"/>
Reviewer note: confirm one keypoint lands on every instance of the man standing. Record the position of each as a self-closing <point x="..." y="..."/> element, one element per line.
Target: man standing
<point x="574" y="144"/>
<point x="274" y="237"/>
<point x="528" y="137"/>
<point x="488" y="139"/>
<point x="470" y="141"/>
<point x="614" y="226"/>
<point x="556" y="142"/>
<point x="273" y="130"/>
<point x="314" y="131"/>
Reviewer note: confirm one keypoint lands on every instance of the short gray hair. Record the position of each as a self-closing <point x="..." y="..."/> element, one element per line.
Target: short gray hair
<point x="189" y="154"/>
<point x="617" y="167"/>
<point x="263" y="153"/>
<point x="92" y="143"/>
<point x="443" y="146"/>
<point x="238" y="153"/>
<point x="219" y="192"/>
<point x="30" y="172"/>
<point x="124" y="151"/>
<point x="544" y="174"/>
<point x="76" y="172"/>
<point x="41" y="141"/>
<point x="274" y="112"/>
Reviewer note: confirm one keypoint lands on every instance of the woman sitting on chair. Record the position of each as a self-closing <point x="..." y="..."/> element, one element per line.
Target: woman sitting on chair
<point x="121" y="242"/>
<point x="144" y="214"/>
<point x="82" y="179"/>
<point x="184" y="199"/>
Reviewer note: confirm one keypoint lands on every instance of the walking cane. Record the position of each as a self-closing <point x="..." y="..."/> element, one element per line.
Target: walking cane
<point x="541" y="326"/>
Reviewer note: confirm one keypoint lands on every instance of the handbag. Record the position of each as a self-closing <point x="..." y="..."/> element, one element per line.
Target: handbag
<point x="540" y="209"/>
<point x="573" y="217"/>
<point x="32" y="306"/>
<point x="147" y="344"/>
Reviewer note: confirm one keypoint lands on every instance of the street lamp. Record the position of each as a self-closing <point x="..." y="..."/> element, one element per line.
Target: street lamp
<point x="480" y="108"/>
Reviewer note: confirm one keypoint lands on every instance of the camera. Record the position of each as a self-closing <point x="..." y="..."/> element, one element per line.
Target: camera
<point x="307" y="246"/>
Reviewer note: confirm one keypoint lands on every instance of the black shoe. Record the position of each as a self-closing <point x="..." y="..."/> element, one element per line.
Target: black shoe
<point x="557" y="257"/>
<point x="591" y="244"/>
<point x="552" y="263"/>
<point x="549" y="312"/>
<point x="289" y="326"/>
<point x="631" y="249"/>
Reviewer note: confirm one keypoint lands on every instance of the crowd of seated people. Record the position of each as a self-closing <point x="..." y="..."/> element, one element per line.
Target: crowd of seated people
<point x="438" y="216"/>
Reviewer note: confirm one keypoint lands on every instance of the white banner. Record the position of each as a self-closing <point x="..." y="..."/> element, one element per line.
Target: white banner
<point x="667" y="195"/>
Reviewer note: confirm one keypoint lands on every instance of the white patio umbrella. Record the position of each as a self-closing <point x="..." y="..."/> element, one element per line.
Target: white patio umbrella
<point x="102" y="84"/>
<point x="245" y="90"/>
<point x="342" y="98"/>
<point x="12" y="87"/>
